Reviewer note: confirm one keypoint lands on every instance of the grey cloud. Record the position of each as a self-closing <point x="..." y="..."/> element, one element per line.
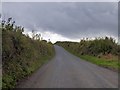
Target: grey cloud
<point x="71" y="20"/>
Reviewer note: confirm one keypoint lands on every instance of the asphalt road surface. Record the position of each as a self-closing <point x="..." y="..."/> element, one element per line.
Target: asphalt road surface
<point x="68" y="71"/>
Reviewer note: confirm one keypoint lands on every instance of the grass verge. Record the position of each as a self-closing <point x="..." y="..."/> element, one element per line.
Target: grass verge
<point x="12" y="79"/>
<point x="111" y="64"/>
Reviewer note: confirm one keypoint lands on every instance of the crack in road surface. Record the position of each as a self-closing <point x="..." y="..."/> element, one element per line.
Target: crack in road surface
<point x="68" y="71"/>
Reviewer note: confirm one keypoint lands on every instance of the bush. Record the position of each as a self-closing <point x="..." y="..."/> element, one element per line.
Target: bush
<point x="21" y="55"/>
<point x="93" y="47"/>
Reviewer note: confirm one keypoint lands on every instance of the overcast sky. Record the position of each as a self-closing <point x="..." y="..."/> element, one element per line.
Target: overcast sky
<point x="60" y="21"/>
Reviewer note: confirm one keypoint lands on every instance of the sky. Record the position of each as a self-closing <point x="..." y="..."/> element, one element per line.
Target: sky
<point x="65" y="21"/>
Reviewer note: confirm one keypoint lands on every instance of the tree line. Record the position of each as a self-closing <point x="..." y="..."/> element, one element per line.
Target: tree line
<point x="97" y="47"/>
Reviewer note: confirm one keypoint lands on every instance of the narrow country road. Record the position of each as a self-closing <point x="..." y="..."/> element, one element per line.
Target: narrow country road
<point x="68" y="71"/>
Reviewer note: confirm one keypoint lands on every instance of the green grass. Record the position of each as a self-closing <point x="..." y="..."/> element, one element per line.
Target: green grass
<point x="111" y="64"/>
<point x="107" y="63"/>
<point x="36" y="65"/>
